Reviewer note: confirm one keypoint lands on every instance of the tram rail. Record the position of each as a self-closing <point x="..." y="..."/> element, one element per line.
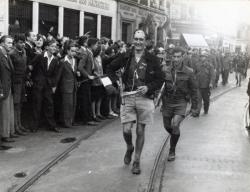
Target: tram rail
<point x="157" y="173"/>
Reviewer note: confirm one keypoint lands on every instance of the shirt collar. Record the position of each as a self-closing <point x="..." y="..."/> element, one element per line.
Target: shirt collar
<point x="29" y="44"/>
<point x="4" y="51"/>
<point x="66" y="58"/>
<point x="46" y="55"/>
<point x="90" y="51"/>
<point x="19" y="51"/>
<point x="84" y="48"/>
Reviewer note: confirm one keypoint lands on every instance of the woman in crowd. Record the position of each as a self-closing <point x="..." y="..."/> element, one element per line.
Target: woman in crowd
<point x="108" y="54"/>
<point x="39" y="44"/>
<point x="97" y="89"/>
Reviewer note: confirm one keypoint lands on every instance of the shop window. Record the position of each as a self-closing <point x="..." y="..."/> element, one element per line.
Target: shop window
<point x="20" y="16"/>
<point x="71" y="17"/>
<point x="136" y="1"/>
<point x="144" y="2"/>
<point x="126" y="32"/>
<point x="90" y="24"/>
<point x="161" y="4"/>
<point x="106" y="26"/>
<point x="153" y="3"/>
<point x="159" y="35"/>
<point x="168" y="5"/>
<point x="48" y="19"/>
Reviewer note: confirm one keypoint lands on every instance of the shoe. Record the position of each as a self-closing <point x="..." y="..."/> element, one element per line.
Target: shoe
<point x="19" y="132"/>
<point x="136" y="168"/>
<point x="4" y="147"/>
<point x="67" y="126"/>
<point x="7" y="140"/>
<point x="128" y="156"/>
<point x="171" y="155"/>
<point x="110" y="117"/>
<point x="96" y="119"/>
<point x="117" y="111"/>
<point x="205" y="112"/>
<point x="195" y="115"/>
<point x="113" y="114"/>
<point x="34" y="130"/>
<point x="76" y="124"/>
<point x="14" y="136"/>
<point x="55" y="129"/>
<point x="101" y="117"/>
<point x="22" y="128"/>
<point x="91" y="123"/>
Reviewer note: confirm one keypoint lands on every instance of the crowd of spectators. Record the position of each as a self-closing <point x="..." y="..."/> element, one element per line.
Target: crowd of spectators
<point x="55" y="82"/>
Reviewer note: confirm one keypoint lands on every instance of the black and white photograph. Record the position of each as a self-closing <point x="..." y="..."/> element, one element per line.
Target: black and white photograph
<point x="124" y="96"/>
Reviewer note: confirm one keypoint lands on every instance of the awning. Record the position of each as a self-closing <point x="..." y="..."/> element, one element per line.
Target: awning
<point x="195" y="40"/>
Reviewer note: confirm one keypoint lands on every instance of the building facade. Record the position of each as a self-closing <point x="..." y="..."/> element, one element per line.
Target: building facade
<point x="65" y="17"/>
<point x="150" y="15"/>
<point x="185" y="19"/>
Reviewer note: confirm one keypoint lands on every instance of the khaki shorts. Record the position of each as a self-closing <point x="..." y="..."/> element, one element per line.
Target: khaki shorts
<point x="137" y="109"/>
<point x="170" y="110"/>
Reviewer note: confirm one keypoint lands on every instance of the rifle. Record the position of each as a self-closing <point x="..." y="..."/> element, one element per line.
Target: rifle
<point x="119" y="74"/>
<point x="157" y="101"/>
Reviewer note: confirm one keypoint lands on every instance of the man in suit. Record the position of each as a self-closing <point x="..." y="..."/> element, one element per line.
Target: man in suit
<point x="45" y="77"/>
<point x="19" y="59"/>
<point x="30" y="50"/>
<point x="30" y="46"/>
<point x="85" y="67"/>
<point x="68" y="83"/>
<point x="6" y="89"/>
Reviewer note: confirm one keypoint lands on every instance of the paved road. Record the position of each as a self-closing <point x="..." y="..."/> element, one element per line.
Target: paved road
<point x="98" y="158"/>
<point x="97" y="164"/>
<point x="213" y="154"/>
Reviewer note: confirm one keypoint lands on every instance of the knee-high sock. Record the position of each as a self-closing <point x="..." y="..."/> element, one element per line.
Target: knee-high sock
<point x="173" y="141"/>
<point x="128" y="138"/>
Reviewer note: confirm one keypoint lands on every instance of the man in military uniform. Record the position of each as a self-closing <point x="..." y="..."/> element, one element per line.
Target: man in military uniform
<point x="168" y="55"/>
<point x="205" y="78"/>
<point x="239" y="67"/>
<point x="225" y="69"/>
<point x="180" y="86"/>
<point x="195" y="58"/>
<point x="215" y="60"/>
<point x="246" y="58"/>
<point x="248" y="93"/>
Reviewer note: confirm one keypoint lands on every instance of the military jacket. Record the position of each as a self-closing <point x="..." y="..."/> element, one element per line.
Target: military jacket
<point x="226" y="65"/>
<point x="205" y="74"/>
<point x="180" y="84"/>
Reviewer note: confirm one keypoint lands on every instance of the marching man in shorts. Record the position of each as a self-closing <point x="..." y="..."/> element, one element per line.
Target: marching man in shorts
<point x="141" y="77"/>
<point x="180" y="87"/>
